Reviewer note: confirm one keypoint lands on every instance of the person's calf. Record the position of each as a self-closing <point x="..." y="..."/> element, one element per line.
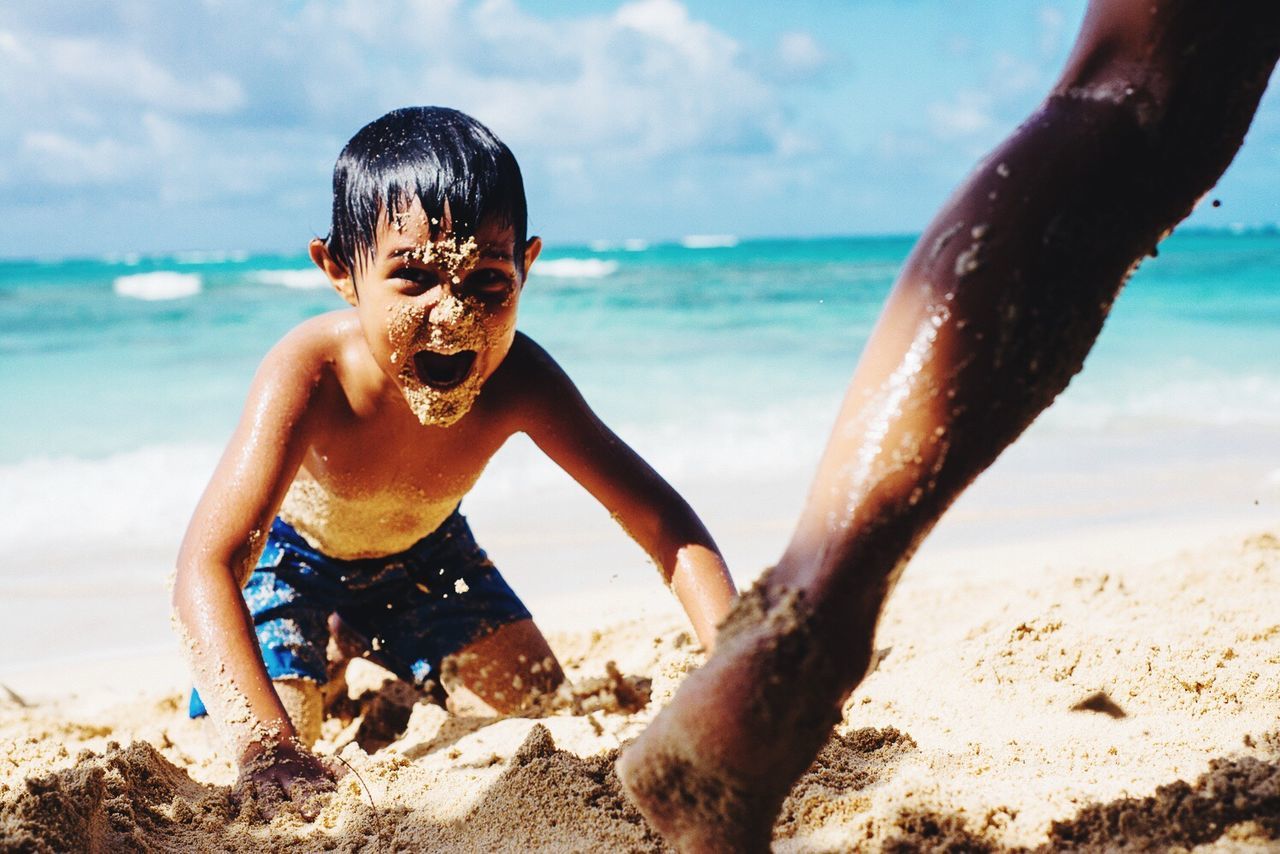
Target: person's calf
<point x="712" y="770"/>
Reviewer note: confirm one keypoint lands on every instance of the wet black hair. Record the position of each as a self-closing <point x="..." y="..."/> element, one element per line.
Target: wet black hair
<point x="432" y="154"/>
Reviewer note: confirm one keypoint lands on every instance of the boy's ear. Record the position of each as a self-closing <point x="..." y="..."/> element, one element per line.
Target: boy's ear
<point x="532" y="248"/>
<point x="339" y="276"/>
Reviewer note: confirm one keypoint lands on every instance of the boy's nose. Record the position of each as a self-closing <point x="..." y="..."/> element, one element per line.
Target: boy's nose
<point x="447" y="308"/>
<point x="433" y="296"/>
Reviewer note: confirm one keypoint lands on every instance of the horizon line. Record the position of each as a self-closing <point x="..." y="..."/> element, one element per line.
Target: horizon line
<point x="598" y="245"/>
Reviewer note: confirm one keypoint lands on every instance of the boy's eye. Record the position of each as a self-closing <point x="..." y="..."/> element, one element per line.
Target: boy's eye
<point x="489" y="282"/>
<point x="416" y="280"/>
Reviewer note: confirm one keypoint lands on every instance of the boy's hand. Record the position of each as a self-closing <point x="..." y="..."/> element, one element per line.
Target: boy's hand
<point x="288" y="769"/>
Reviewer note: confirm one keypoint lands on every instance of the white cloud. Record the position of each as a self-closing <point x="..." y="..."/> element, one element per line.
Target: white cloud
<point x="64" y="161"/>
<point x="13" y="48"/>
<point x="967" y="114"/>
<point x="1014" y="75"/>
<point x="897" y="147"/>
<point x="798" y="56"/>
<point x="617" y="111"/>
<point x="977" y="112"/>
<point x="1053" y="29"/>
<point x="792" y="143"/>
<point x="957" y="45"/>
<point x="58" y="72"/>
<point x="646" y="81"/>
<point x="668" y="21"/>
<point x="127" y="74"/>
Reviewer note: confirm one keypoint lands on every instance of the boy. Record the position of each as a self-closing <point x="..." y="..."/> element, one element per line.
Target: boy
<point x="363" y="430"/>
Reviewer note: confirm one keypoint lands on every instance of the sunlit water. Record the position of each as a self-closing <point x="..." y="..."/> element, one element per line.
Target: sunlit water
<point x="122" y="378"/>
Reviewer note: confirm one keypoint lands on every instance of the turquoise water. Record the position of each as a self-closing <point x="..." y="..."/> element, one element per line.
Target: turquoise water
<point x="663" y="340"/>
<point x="663" y="337"/>
<point x="122" y="378"/>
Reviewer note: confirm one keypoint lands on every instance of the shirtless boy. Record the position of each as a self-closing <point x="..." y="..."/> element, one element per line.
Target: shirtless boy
<point x="363" y="430"/>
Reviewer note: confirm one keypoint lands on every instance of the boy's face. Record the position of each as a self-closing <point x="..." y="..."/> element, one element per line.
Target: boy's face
<point x="439" y="315"/>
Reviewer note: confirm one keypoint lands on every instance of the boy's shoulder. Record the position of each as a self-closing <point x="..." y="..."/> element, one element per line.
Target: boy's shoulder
<point x="529" y="367"/>
<point x="323" y="339"/>
<point x="530" y="384"/>
<point x="325" y="347"/>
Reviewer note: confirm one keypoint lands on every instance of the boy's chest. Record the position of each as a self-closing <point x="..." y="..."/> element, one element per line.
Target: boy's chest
<point x="368" y="493"/>
<point x="366" y="456"/>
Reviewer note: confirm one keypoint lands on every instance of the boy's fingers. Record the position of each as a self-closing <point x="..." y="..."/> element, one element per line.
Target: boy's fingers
<point x="308" y="804"/>
<point x="310" y="795"/>
<point x="337" y="770"/>
<point x="303" y="781"/>
<point x="260" y="796"/>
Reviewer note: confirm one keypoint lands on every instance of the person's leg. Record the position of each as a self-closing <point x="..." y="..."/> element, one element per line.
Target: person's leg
<point x="453" y="620"/>
<point x="289" y="604"/>
<point x="509" y="668"/>
<point x="993" y="313"/>
<point x="303" y="701"/>
<point x="292" y="639"/>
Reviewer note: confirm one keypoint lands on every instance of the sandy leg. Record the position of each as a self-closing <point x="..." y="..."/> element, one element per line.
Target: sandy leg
<point x="303" y="701"/>
<point x="991" y="316"/>
<point x="712" y="770"/>
<point x="508" y="669"/>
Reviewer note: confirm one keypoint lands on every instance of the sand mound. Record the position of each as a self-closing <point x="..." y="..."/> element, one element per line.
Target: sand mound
<point x="1104" y="709"/>
<point x="1243" y="794"/>
<point x="127" y="798"/>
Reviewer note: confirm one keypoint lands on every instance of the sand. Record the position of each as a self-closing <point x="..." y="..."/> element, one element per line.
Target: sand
<point x="1030" y="705"/>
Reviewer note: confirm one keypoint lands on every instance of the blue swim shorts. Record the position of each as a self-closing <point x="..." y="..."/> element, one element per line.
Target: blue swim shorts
<point x="414" y="608"/>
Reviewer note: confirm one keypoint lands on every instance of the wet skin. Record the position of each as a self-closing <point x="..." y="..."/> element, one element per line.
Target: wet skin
<point x="333" y="403"/>
<point x="992" y="315"/>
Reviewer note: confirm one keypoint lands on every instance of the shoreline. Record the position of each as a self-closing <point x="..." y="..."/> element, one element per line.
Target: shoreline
<point x="1051" y="498"/>
<point x="955" y="555"/>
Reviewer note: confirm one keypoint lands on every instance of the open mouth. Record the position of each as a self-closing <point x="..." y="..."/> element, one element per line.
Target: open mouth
<point x="443" y="370"/>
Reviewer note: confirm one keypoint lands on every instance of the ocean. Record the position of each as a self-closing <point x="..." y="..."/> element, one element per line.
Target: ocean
<point x="721" y="360"/>
<point x="116" y="355"/>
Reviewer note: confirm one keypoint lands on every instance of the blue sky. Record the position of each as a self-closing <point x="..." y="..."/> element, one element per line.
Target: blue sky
<point x="158" y="125"/>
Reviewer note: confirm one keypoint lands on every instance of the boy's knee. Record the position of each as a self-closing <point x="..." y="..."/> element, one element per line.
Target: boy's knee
<point x="303" y="701"/>
<point x="510" y="669"/>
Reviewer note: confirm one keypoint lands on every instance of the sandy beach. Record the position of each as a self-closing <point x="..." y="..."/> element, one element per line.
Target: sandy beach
<point x="1100" y="676"/>
<point x="709" y="216"/>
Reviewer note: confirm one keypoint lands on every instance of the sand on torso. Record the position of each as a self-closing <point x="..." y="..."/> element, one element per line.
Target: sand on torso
<point x="368" y="523"/>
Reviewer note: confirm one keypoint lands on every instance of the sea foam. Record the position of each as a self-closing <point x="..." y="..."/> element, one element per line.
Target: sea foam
<point x="575" y="268"/>
<point x="1152" y="401"/>
<point x="631" y="244"/>
<point x="158" y="286"/>
<point x="305" y="279"/>
<point x="137" y="501"/>
<point x="210" y="256"/>
<point x="709" y="241"/>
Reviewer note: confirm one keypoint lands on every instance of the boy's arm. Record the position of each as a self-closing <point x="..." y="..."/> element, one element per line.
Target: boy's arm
<point x="556" y="417"/>
<point x="218" y="553"/>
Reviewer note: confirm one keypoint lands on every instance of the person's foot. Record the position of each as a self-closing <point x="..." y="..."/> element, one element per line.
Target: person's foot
<point x="712" y="770"/>
<point x="695" y="802"/>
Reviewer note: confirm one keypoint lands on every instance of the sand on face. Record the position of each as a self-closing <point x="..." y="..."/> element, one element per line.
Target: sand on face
<point x="1087" y="708"/>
